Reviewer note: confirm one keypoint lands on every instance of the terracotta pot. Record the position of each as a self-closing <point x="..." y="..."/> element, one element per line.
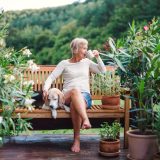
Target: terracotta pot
<point x="142" y="147"/>
<point x="111" y="102"/>
<point x="109" y="148"/>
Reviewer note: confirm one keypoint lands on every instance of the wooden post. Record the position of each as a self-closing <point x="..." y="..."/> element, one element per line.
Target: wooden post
<point x="126" y="121"/>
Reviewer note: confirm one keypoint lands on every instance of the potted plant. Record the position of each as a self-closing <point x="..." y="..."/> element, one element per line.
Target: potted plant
<point x="108" y="85"/>
<point x="143" y="78"/>
<point x="139" y="53"/>
<point x="109" y="144"/>
<point x="143" y="142"/>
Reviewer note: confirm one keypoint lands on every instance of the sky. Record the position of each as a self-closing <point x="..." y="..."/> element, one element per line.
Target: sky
<point x="32" y="4"/>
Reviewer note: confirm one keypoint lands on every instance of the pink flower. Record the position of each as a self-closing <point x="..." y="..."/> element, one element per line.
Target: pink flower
<point x="146" y="28"/>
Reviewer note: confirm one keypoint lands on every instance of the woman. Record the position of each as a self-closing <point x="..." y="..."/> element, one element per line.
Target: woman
<point x="75" y="72"/>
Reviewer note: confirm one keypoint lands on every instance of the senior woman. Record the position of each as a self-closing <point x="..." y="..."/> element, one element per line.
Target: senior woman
<point x="75" y="72"/>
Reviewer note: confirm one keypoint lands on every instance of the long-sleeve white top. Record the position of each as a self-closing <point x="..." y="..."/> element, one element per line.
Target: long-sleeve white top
<point x="75" y="75"/>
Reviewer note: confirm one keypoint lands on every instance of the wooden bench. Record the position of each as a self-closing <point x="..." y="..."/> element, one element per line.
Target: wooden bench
<point x="96" y="113"/>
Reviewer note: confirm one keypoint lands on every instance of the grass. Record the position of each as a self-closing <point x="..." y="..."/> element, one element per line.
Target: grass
<point x="70" y="131"/>
<point x="98" y="102"/>
<point x="66" y="131"/>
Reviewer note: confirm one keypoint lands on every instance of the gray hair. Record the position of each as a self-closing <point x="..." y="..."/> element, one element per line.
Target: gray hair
<point x="77" y="43"/>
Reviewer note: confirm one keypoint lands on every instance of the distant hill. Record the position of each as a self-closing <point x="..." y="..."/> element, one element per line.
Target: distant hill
<point x="48" y="32"/>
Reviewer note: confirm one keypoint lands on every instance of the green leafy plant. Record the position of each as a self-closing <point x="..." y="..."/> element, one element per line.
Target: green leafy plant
<point x="146" y="75"/>
<point x="143" y="72"/>
<point x="15" y="90"/>
<point x="107" y="83"/>
<point x="139" y="54"/>
<point x="109" y="132"/>
<point x="114" y="55"/>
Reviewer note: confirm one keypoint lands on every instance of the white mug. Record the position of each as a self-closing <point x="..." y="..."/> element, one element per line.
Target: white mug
<point x="90" y="54"/>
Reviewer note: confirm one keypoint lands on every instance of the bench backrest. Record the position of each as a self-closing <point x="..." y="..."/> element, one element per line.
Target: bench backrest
<point x="40" y="76"/>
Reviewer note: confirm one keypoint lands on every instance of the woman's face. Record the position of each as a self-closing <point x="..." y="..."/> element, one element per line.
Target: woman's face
<point x="82" y="51"/>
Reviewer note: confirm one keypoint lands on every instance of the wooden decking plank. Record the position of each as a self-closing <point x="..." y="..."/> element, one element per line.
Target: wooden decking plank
<point x="53" y="147"/>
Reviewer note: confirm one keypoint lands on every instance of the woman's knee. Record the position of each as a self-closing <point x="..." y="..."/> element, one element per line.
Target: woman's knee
<point x="75" y="91"/>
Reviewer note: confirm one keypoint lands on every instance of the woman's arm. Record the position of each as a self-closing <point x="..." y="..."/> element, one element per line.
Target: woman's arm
<point x="52" y="77"/>
<point x="98" y="67"/>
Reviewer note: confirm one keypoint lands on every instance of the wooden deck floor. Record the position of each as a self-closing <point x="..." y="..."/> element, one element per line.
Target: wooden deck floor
<point x="52" y="147"/>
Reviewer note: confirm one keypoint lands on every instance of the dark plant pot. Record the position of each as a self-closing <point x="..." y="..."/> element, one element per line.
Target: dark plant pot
<point x="142" y="147"/>
<point x="109" y="148"/>
<point x="111" y="102"/>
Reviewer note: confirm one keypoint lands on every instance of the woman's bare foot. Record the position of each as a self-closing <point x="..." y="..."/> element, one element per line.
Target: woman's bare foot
<point x="86" y="124"/>
<point x="76" y="146"/>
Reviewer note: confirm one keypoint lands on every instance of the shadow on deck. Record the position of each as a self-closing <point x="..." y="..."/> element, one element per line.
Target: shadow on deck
<point x="53" y="147"/>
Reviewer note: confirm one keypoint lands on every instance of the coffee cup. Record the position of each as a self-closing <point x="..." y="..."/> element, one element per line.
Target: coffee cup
<point x="89" y="54"/>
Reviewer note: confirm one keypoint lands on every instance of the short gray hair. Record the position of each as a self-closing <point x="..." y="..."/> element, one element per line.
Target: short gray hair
<point x="77" y="43"/>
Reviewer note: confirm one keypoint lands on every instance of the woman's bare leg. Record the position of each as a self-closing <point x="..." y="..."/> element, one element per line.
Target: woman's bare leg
<point x="80" y="106"/>
<point x="78" y="114"/>
<point x="76" y="121"/>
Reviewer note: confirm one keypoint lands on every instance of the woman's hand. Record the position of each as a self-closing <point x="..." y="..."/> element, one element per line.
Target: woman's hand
<point x="45" y="96"/>
<point x="96" y="53"/>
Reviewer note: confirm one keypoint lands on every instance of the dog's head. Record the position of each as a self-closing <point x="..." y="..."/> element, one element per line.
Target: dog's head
<point x="55" y="100"/>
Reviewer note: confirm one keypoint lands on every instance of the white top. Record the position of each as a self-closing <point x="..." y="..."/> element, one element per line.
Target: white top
<point x="75" y="75"/>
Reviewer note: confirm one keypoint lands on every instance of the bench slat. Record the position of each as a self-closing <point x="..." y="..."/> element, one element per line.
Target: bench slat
<point x="95" y="112"/>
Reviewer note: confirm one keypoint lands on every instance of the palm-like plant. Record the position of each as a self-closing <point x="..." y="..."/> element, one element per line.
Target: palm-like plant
<point x="142" y="76"/>
<point x="143" y="72"/>
<point x="139" y="56"/>
<point x="114" y="55"/>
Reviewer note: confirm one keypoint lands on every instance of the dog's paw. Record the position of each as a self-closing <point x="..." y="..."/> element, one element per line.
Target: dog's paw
<point x="67" y="109"/>
<point x="45" y="107"/>
<point x="54" y="113"/>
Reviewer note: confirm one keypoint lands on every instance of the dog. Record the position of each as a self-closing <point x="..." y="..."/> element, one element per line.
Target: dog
<point x="55" y="101"/>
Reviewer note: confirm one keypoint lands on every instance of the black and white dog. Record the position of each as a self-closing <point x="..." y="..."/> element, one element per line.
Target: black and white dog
<point x="55" y="100"/>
